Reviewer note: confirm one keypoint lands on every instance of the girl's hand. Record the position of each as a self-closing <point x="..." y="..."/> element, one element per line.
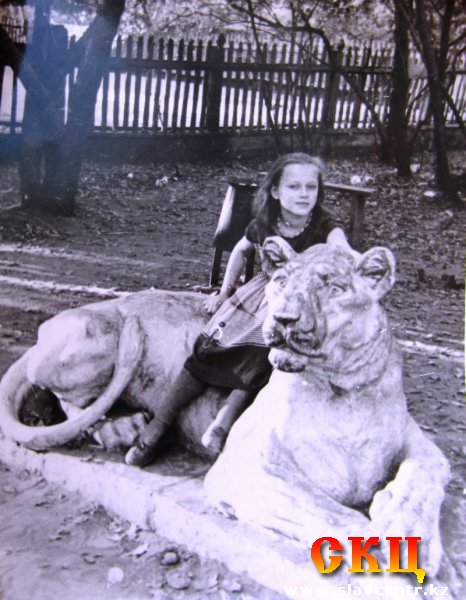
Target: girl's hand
<point x="213" y="303"/>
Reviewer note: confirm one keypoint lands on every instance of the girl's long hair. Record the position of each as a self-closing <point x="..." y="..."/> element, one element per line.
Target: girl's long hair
<point x="266" y="207"/>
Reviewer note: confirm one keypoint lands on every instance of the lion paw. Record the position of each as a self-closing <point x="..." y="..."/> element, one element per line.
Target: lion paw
<point x="121" y="432"/>
<point x="410" y="506"/>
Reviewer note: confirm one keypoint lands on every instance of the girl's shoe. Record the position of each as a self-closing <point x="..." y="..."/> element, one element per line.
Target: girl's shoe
<point x="140" y="455"/>
<point x="214" y="439"/>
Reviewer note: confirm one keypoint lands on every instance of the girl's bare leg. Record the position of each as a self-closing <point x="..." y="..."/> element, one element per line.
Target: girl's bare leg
<point x="216" y="434"/>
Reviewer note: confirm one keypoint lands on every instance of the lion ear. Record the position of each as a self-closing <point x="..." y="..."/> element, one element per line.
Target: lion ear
<point x="275" y="252"/>
<point x="96" y="325"/>
<point x="377" y="266"/>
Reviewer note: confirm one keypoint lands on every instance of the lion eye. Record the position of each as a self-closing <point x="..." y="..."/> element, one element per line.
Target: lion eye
<point x="336" y="290"/>
<point x="280" y="280"/>
<point x="375" y="273"/>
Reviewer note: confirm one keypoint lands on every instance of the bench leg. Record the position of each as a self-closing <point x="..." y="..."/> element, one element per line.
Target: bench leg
<point x="357" y="220"/>
<point x="216" y="263"/>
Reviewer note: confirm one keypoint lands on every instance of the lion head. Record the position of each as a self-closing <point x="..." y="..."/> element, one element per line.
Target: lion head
<point x="324" y="308"/>
<point x="74" y="356"/>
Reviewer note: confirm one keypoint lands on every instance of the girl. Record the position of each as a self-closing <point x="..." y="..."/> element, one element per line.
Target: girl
<point x="230" y="352"/>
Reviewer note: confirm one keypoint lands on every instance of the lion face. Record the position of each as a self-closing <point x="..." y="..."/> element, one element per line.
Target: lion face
<point x="74" y="356"/>
<point x="324" y="303"/>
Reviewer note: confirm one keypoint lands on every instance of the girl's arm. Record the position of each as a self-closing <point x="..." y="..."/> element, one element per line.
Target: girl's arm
<point x="235" y="267"/>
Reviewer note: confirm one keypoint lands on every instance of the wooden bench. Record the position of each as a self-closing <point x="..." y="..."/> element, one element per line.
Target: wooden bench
<point x="236" y="213"/>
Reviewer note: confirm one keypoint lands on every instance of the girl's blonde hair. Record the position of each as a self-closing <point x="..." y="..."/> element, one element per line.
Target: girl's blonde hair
<point x="266" y="207"/>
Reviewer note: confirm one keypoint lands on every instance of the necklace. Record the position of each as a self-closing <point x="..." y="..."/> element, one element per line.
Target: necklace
<point x="281" y="224"/>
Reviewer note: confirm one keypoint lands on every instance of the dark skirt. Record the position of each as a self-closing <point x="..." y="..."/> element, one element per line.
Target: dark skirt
<point x="231" y="352"/>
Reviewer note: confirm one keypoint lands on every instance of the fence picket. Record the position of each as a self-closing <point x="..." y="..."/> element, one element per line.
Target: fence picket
<point x="255" y="88"/>
<point x="345" y="93"/>
<point x="458" y="93"/>
<point x="104" y="110"/>
<point x="14" y="103"/>
<point x="318" y="59"/>
<point x="236" y="85"/>
<point x="2" y="75"/>
<point x="137" y="81"/>
<point x="187" y="84"/>
<point x="157" y="116"/>
<point x="227" y="85"/>
<point x="128" y="46"/>
<point x="205" y="87"/>
<point x="148" y="87"/>
<point x="177" y="87"/>
<point x="287" y="84"/>
<point x="116" y="85"/>
<point x="198" y="77"/>
<point x="276" y="86"/>
<point x="168" y="86"/>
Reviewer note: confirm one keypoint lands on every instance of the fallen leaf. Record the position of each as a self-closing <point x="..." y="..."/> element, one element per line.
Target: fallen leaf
<point x="140" y="550"/>
<point x="170" y="558"/>
<point x="177" y="580"/>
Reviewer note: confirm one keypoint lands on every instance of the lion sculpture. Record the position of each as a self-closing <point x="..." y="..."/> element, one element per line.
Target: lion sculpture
<point x="128" y="349"/>
<point x="328" y="447"/>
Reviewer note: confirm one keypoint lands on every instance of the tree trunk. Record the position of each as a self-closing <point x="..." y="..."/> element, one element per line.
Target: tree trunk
<point x="443" y="176"/>
<point x="396" y="147"/>
<point x="44" y="106"/>
<point x="53" y="152"/>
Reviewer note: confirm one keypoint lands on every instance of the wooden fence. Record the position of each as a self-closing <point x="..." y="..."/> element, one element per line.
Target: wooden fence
<point x="18" y="29"/>
<point x="158" y="86"/>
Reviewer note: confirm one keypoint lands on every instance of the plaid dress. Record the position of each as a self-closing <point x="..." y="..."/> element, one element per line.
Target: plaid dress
<point x="231" y="352"/>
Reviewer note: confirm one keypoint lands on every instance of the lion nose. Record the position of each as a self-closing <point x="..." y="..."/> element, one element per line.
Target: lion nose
<point x="286" y="318"/>
<point x="288" y="310"/>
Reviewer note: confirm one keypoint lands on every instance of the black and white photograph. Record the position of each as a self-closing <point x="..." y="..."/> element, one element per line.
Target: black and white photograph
<point x="232" y="299"/>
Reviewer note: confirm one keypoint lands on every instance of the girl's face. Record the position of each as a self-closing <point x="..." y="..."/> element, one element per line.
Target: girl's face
<point x="297" y="189"/>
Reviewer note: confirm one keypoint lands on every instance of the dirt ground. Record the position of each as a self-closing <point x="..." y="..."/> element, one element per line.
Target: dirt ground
<point x="141" y="226"/>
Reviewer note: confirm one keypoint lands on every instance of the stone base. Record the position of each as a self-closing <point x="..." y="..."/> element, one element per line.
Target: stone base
<point x="168" y="497"/>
